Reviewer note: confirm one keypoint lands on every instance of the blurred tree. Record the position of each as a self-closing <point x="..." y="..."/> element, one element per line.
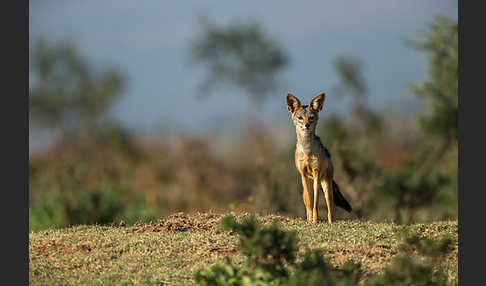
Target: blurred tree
<point x="429" y="176"/>
<point x="65" y="92"/>
<point x="350" y="72"/>
<point x="427" y="179"/>
<point x="80" y="178"/>
<point x="241" y="55"/>
<point x="440" y="44"/>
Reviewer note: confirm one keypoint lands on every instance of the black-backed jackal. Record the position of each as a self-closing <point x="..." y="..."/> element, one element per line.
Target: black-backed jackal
<point x="312" y="159"/>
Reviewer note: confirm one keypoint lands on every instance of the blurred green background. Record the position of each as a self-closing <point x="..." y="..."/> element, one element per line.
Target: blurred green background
<point x="86" y="166"/>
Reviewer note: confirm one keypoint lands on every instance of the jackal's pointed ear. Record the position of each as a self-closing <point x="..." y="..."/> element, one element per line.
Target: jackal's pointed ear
<point x="318" y="101"/>
<point x="293" y="103"/>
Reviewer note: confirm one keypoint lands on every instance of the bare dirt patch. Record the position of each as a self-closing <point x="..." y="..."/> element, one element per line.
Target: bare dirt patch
<point x="53" y="247"/>
<point x="224" y="250"/>
<point x="178" y="223"/>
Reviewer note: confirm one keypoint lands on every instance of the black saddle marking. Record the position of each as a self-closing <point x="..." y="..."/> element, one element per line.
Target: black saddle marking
<point x="325" y="149"/>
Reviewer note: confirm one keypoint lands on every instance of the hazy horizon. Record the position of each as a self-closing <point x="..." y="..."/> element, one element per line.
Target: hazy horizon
<point x="149" y="42"/>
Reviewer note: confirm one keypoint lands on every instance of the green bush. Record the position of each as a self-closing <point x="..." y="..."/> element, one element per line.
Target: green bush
<point x="314" y="270"/>
<point x="271" y="255"/>
<point x="46" y="214"/>
<point x="406" y="271"/>
<point x="271" y="260"/>
<point x="101" y="206"/>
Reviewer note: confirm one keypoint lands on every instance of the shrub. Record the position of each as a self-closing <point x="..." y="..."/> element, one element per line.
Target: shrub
<point x="271" y="255"/>
<point x="271" y="260"/>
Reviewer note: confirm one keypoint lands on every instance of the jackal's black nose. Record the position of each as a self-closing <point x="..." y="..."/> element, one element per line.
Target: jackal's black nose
<point x="307" y="125"/>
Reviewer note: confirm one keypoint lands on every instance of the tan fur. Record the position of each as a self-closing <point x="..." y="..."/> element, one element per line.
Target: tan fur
<point x="311" y="158"/>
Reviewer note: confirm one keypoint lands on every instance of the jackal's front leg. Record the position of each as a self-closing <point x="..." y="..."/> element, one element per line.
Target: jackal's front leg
<point x="316" y="200"/>
<point x="306" y="196"/>
<point x="326" y="184"/>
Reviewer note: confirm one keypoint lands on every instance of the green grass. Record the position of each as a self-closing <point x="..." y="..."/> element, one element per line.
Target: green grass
<point x="167" y="252"/>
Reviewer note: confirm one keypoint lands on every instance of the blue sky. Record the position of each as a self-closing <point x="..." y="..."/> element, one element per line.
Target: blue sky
<point x="149" y="42"/>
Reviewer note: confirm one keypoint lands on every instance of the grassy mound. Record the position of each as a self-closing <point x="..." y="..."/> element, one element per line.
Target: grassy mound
<point x="168" y="252"/>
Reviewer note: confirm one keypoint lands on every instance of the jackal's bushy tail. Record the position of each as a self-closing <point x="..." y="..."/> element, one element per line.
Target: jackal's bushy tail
<point x="339" y="199"/>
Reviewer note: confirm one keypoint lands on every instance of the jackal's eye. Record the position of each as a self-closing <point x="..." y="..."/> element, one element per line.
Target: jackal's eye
<point x="299" y="117"/>
<point x="311" y="118"/>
